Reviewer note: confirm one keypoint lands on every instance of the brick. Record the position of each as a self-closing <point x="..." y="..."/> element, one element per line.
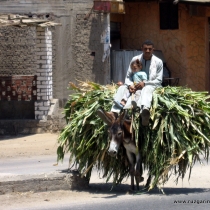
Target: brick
<point x="42" y="62"/>
<point x="44" y="74"/>
<point x="45" y="83"/>
<point x="42" y="86"/>
<point x="40" y="37"/>
<point x="46" y="57"/>
<point x="44" y="49"/>
<point x="47" y="41"/>
<point x="44" y="108"/>
<point x="42" y="71"/>
<point x="47" y="103"/>
<point x="45" y="97"/>
<point x="41" y="45"/>
<point x="40" y="29"/>
<point x="41" y="78"/>
<point x="39" y="33"/>
<point x="49" y="62"/>
<point x="40" y="103"/>
<point x="42" y="53"/>
<point x="40" y="117"/>
<point x="46" y="66"/>
<point x="39" y="112"/>
<point x="44" y="90"/>
<point x="48" y="33"/>
<point x="42" y="94"/>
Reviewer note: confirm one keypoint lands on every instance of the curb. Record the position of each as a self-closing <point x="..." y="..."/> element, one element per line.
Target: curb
<point x="43" y="182"/>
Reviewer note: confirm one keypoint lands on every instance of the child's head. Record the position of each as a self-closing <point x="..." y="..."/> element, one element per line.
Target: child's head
<point x="136" y="66"/>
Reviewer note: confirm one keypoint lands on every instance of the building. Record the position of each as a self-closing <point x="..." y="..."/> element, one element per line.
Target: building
<point x="79" y="49"/>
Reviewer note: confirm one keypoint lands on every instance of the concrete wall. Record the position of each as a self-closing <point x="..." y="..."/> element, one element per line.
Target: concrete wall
<point x="185" y="49"/>
<point x="57" y="55"/>
<point x="28" y="51"/>
<point x="17" y="51"/>
<point x="75" y="41"/>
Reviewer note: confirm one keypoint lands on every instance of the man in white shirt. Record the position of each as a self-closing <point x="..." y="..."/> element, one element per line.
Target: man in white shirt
<point x="153" y="67"/>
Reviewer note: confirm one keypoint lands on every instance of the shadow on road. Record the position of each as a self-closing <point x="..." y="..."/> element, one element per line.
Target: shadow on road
<point x="123" y="189"/>
<point x="110" y="191"/>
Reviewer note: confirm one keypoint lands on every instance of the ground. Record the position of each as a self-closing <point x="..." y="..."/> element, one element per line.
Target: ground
<point x="12" y="147"/>
<point x="44" y="144"/>
<point x="30" y="145"/>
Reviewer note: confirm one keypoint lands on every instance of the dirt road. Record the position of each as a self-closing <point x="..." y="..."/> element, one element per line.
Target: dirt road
<point x="26" y="146"/>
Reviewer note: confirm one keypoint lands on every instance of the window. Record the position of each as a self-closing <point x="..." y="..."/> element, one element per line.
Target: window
<point x="168" y="16"/>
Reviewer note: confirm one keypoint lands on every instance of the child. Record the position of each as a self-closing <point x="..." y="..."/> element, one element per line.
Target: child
<point x="138" y="76"/>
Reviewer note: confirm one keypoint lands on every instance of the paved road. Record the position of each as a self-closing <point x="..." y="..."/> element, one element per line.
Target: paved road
<point x="31" y="165"/>
<point x="176" y="199"/>
<point x="98" y="196"/>
<point x="186" y="195"/>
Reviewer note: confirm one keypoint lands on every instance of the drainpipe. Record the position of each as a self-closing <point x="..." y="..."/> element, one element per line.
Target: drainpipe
<point x="105" y="40"/>
<point x="105" y="37"/>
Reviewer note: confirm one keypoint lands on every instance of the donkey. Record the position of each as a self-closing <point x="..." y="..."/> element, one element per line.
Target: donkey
<point x="120" y="132"/>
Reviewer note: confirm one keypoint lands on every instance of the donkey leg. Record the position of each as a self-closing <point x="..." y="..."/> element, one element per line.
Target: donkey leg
<point x="138" y="171"/>
<point x="132" y="182"/>
<point x="137" y="178"/>
<point x="132" y="170"/>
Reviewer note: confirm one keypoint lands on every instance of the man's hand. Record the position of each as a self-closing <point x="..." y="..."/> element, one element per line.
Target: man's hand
<point x="132" y="89"/>
<point x="140" y="85"/>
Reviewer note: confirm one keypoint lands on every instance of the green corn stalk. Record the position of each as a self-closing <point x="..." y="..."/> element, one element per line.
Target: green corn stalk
<point x="177" y="135"/>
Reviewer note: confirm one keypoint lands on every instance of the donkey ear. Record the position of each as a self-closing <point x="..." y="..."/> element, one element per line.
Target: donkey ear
<point x="122" y="116"/>
<point x="105" y="116"/>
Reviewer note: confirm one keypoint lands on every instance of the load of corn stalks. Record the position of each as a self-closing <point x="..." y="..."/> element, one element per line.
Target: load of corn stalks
<point x="178" y="134"/>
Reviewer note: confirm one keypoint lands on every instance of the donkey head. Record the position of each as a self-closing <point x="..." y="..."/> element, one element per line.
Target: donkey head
<point x="118" y="128"/>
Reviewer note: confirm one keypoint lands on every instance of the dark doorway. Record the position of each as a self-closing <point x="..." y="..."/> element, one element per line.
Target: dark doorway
<point x="16" y="110"/>
<point x="115" y="35"/>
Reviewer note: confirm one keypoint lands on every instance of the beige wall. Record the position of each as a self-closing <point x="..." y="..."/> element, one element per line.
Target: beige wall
<point x="185" y="49"/>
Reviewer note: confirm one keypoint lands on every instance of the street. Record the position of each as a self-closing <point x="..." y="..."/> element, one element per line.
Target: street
<point x="176" y="198"/>
<point x="184" y="195"/>
<point x="24" y="156"/>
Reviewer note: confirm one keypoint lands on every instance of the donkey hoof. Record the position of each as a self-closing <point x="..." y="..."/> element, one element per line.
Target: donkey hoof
<point x="141" y="179"/>
<point x="130" y="191"/>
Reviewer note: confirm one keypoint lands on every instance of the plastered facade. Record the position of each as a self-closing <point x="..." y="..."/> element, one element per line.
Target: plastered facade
<point x="186" y="49"/>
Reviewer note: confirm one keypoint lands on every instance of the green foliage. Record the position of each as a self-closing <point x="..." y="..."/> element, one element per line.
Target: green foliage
<point x="177" y="135"/>
<point x="85" y="135"/>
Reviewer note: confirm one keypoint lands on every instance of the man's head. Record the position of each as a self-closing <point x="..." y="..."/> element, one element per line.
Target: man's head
<point x="147" y="48"/>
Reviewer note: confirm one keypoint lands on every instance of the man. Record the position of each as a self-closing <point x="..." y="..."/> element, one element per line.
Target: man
<point x="153" y="67"/>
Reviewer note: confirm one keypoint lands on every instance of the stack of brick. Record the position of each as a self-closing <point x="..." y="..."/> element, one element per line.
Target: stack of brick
<point x="44" y="72"/>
